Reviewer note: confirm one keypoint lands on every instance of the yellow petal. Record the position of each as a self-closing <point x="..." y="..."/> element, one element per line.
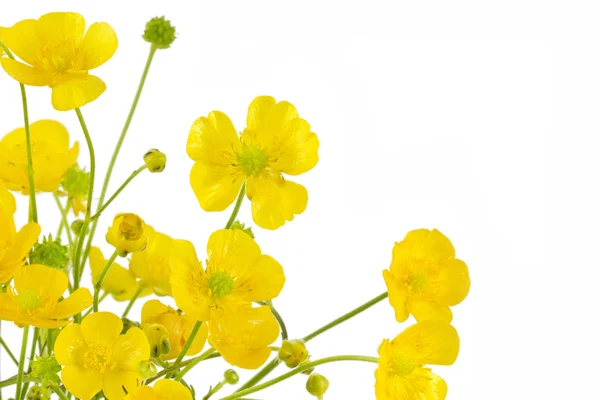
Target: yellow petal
<point x="14" y="257"/>
<point x="81" y="382"/>
<point x="70" y="345"/>
<point x="423" y="310"/>
<point x="78" y="301"/>
<point x="101" y="327"/>
<point x="25" y="74"/>
<point x="258" y="112"/>
<point x="75" y="91"/>
<point x="435" y="387"/>
<point x="453" y="282"/>
<point x="58" y="27"/>
<point x="131" y="348"/>
<point x="152" y="309"/>
<point x="398" y="294"/>
<point x="275" y="200"/>
<point x="213" y="140"/>
<point x="7" y="200"/>
<point x="422" y="244"/>
<point x="22" y="39"/>
<point x="233" y="250"/>
<point x="99" y="44"/>
<point x="199" y="340"/>
<point x="190" y="288"/>
<point x="48" y="282"/>
<point x="266" y="121"/>
<point x="266" y="279"/>
<point x="171" y="390"/>
<point x="215" y="186"/>
<point x="119" y="281"/>
<point x="429" y="342"/>
<point x="47" y="130"/>
<point x="297" y="149"/>
<point x="142" y="393"/>
<point x="114" y="382"/>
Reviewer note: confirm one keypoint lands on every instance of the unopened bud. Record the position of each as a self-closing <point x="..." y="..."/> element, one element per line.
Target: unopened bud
<point x="146" y="369"/>
<point x="158" y="337"/>
<point x="231" y="377"/>
<point x="76" y="226"/>
<point x="317" y="385"/>
<point x="38" y="393"/>
<point x="50" y="253"/>
<point x="293" y="352"/>
<point x="159" y="32"/>
<point x="155" y="160"/>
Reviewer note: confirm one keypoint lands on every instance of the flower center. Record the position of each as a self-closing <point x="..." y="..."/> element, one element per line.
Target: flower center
<point x="402" y="365"/>
<point x="61" y="57"/>
<point x="252" y="160"/>
<point x="130" y="228"/>
<point x="416" y="282"/>
<point x="29" y="300"/>
<point x="99" y="358"/>
<point x="220" y="284"/>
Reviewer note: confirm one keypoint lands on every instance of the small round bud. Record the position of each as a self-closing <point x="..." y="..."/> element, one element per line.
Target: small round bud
<point x="50" y="253"/>
<point x="159" y="32"/>
<point x="155" y="160"/>
<point x="158" y="337"/>
<point x="293" y="352"/>
<point x="38" y="393"/>
<point x="128" y="324"/>
<point x="231" y="377"/>
<point x="76" y="226"/>
<point x="317" y="385"/>
<point x="76" y="182"/>
<point x="146" y="369"/>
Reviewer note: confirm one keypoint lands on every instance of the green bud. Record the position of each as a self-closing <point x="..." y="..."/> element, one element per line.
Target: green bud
<point x="76" y="226"/>
<point x="231" y="377"/>
<point x="50" y="253"/>
<point x="155" y="160"/>
<point x="158" y="337"/>
<point x="293" y="352"/>
<point x="46" y="368"/>
<point x="76" y="182"/>
<point x="317" y="385"/>
<point x="159" y="32"/>
<point x="128" y="324"/>
<point x="38" y="393"/>
<point x="146" y="369"/>
<point x="242" y="227"/>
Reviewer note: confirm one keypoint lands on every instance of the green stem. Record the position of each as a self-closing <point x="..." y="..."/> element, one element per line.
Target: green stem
<point x="119" y="190"/>
<point x="176" y="366"/>
<point x="117" y="149"/>
<point x="188" y="342"/>
<point x="64" y="222"/>
<point x="58" y="392"/>
<point x="13" y="381"/>
<point x="22" y="362"/>
<point x="36" y="339"/>
<point x="275" y="362"/>
<point x="191" y="365"/>
<point x="10" y="353"/>
<point x="80" y="263"/>
<point x="98" y="284"/>
<point x="133" y="299"/>
<point x="284" y="332"/>
<point x="297" y="371"/>
<point x="236" y="208"/>
<point x="89" y="311"/>
<point x="214" y="390"/>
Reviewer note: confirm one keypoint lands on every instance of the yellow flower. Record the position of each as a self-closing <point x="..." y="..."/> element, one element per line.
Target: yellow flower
<point x="51" y="157"/>
<point x="164" y="389"/>
<point x="401" y="374"/>
<point x="178" y="326"/>
<point x="153" y="265"/>
<point x="59" y="53"/>
<point x="425" y="278"/>
<point x="95" y="356"/>
<point x="128" y="233"/>
<point x="236" y="275"/>
<point x="35" y="298"/>
<point x="243" y="338"/>
<point x="275" y="142"/>
<point x="119" y="281"/>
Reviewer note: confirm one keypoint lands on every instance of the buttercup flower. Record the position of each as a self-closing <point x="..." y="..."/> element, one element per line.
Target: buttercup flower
<point x="95" y="356"/>
<point x="119" y="281"/>
<point x="236" y="274"/>
<point x="128" y="233"/>
<point x="51" y="157"/>
<point x="401" y="374"/>
<point x="35" y="298"/>
<point x="164" y="389"/>
<point x="243" y="339"/>
<point x="58" y="54"/>
<point x="275" y="142"/>
<point x="425" y="278"/>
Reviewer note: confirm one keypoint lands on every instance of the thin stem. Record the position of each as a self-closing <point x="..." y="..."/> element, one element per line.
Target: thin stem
<point x="10" y="353"/>
<point x="214" y="390"/>
<point x="297" y="371"/>
<point x="13" y="381"/>
<point x="133" y="299"/>
<point x="176" y="366"/>
<point x="191" y="365"/>
<point x="58" y="392"/>
<point x="89" y="311"/>
<point x="65" y="223"/>
<point x="119" y="190"/>
<point x="117" y="149"/>
<point x="284" y="332"/>
<point x="98" y="284"/>
<point x="189" y="341"/>
<point x="22" y="362"/>
<point x="236" y="208"/>
<point x="36" y="339"/>
<point x="77" y="261"/>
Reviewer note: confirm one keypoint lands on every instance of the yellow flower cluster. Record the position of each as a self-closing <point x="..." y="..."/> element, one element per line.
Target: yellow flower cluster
<point x="225" y="302"/>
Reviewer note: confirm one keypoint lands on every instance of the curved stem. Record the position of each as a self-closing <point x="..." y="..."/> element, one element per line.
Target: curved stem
<point x="21" y="370"/>
<point x="297" y="371"/>
<point x="117" y="149"/>
<point x="58" y="392"/>
<point x="64" y="222"/>
<point x="98" y="284"/>
<point x="214" y="390"/>
<point x="236" y="208"/>
<point x="133" y="299"/>
<point x="284" y="332"/>
<point x="119" y="190"/>
<point x="176" y="366"/>
<point x="13" y="381"/>
<point x="10" y="353"/>
<point x="191" y="365"/>
<point x="188" y="342"/>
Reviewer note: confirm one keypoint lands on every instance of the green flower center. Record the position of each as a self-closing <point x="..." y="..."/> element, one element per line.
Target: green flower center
<point x="252" y="160"/>
<point x="98" y="358"/>
<point x="220" y="284"/>
<point x="416" y="282"/>
<point x="29" y="300"/>
<point x="402" y="365"/>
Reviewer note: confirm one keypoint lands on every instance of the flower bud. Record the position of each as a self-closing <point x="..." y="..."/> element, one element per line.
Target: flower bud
<point x="46" y="368"/>
<point x="158" y="337"/>
<point x="317" y="385"/>
<point x="50" y="253"/>
<point x="128" y="324"/>
<point x="293" y="353"/>
<point x="155" y="160"/>
<point x="76" y="226"/>
<point x="231" y="377"/>
<point x="159" y="32"/>
<point x="128" y="234"/>
<point x="38" y="393"/>
<point x="146" y="369"/>
<point x="76" y="182"/>
<point x="242" y="227"/>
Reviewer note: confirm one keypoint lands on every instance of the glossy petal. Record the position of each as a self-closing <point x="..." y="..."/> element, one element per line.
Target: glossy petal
<point x="22" y="39"/>
<point x="171" y="390"/>
<point x="190" y="289"/>
<point x="119" y="281"/>
<point x="78" y="301"/>
<point x="215" y="186"/>
<point x="47" y="130"/>
<point x="26" y="74"/>
<point x="232" y="250"/>
<point x="153" y="309"/>
<point x="48" y="282"/>
<point x="99" y="44"/>
<point x="266" y="279"/>
<point x="101" y="327"/>
<point x="423" y="310"/>
<point x="436" y="388"/>
<point x="83" y="383"/>
<point x="422" y="244"/>
<point x="453" y="282"/>
<point x="266" y="120"/>
<point x="429" y="342"/>
<point x="76" y="90"/>
<point x="58" y="27"/>
<point x="70" y="346"/>
<point x="114" y="382"/>
<point x="14" y="256"/>
<point x="398" y="295"/>
<point x="8" y="203"/>
<point x="213" y="140"/>
<point x="297" y="150"/>
<point x="275" y="200"/>
<point x="131" y="348"/>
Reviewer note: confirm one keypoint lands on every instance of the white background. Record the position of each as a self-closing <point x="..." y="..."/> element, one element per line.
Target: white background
<point x="479" y="118"/>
